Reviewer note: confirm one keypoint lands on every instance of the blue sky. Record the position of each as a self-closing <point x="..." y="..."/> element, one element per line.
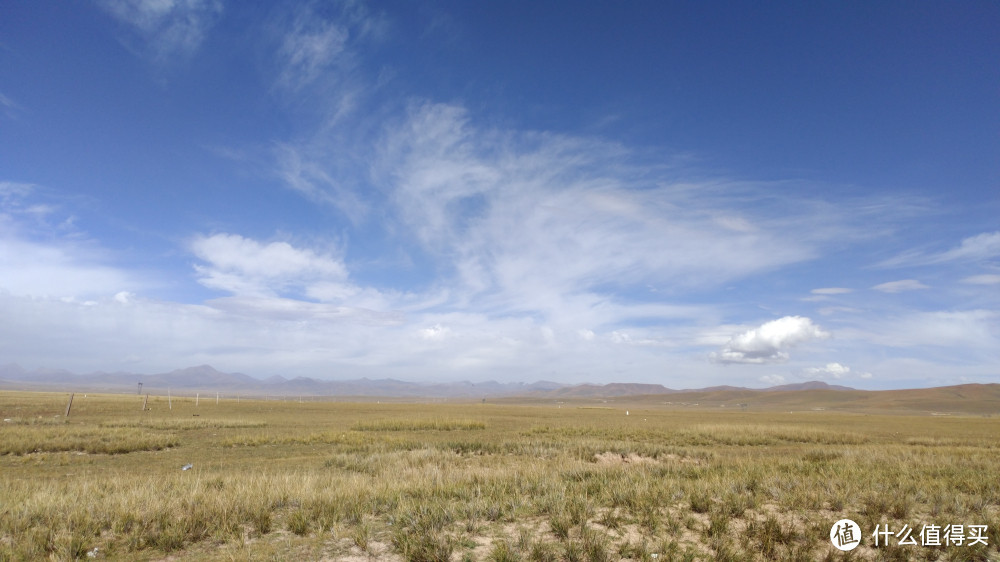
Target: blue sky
<point x="689" y="194"/>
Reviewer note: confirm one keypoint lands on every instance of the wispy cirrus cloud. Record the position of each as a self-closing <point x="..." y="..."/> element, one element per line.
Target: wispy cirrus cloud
<point x="826" y="293"/>
<point x="166" y="28"/>
<point x="900" y="286"/>
<point x="10" y="107"/>
<point x="43" y="253"/>
<point x="577" y="231"/>
<point x="320" y="183"/>
<point x="983" y="279"/>
<point x="984" y="246"/>
<point x="318" y="54"/>
<point x="563" y="215"/>
<point x="314" y="45"/>
<point x="928" y="345"/>
<point x="832" y="291"/>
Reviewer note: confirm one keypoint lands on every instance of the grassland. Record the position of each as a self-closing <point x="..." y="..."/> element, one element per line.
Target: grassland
<point x="502" y="482"/>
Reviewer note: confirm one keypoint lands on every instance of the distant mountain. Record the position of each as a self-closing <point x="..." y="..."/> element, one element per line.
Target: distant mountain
<point x="616" y="389"/>
<point x="202" y="376"/>
<point x="944" y="400"/>
<point x="208" y="379"/>
<point x="607" y="390"/>
<point x="811" y="385"/>
<point x="11" y="371"/>
<point x="807" y="396"/>
<point x="721" y="388"/>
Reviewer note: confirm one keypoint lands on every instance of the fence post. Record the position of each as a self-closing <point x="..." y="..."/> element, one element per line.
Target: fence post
<point x="144" y="400"/>
<point x="69" y="404"/>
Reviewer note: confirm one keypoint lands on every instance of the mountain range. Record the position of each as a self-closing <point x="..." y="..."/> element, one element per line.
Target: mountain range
<point x="205" y="378"/>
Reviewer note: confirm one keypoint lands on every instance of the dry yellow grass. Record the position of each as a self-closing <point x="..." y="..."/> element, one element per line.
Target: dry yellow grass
<point x="352" y="481"/>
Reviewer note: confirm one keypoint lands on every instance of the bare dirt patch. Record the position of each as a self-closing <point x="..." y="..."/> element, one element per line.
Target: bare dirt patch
<point x="611" y="458"/>
<point x="617" y="459"/>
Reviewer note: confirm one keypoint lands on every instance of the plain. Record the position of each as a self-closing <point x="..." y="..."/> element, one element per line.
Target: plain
<point x="584" y="479"/>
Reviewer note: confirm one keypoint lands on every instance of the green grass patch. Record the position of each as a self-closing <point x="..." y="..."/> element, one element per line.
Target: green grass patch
<point x="110" y="441"/>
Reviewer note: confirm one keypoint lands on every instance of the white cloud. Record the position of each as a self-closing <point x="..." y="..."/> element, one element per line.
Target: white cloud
<point x="832" y="291"/>
<point x="984" y="279"/>
<point x="830" y="310"/>
<point x="769" y="342"/>
<point x="834" y="370"/>
<point x="65" y="269"/>
<point x="574" y="231"/>
<point x="244" y="266"/>
<point x="317" y="54"/>
<point x="435" y="332"/>
<point x="310" y="47"/>
<point x="10" y="107"/>
<point x="772" y="380"/>
<point x="538" y="219"/>
<point x="168" y="27"/>
<point x="293" y="310"/>
<point x="960" y="330"/>
<point x="900" y="286"/>
<point x="43" y="255"/>
<point x="303" y="175"/>
<point x="980" y="247"/>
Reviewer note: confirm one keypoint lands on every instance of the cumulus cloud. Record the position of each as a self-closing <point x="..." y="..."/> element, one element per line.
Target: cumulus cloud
<point x="900" y="286"/>
<point x="769" y="342"/>
<point x="168" y="27"/>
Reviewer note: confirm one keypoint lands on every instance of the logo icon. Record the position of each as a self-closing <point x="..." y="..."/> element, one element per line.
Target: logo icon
<point x="845" y="535"/>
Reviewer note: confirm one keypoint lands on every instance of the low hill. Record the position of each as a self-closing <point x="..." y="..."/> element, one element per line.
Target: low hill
<point x="982" y="399"/>
<point x="807" y="396"/>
